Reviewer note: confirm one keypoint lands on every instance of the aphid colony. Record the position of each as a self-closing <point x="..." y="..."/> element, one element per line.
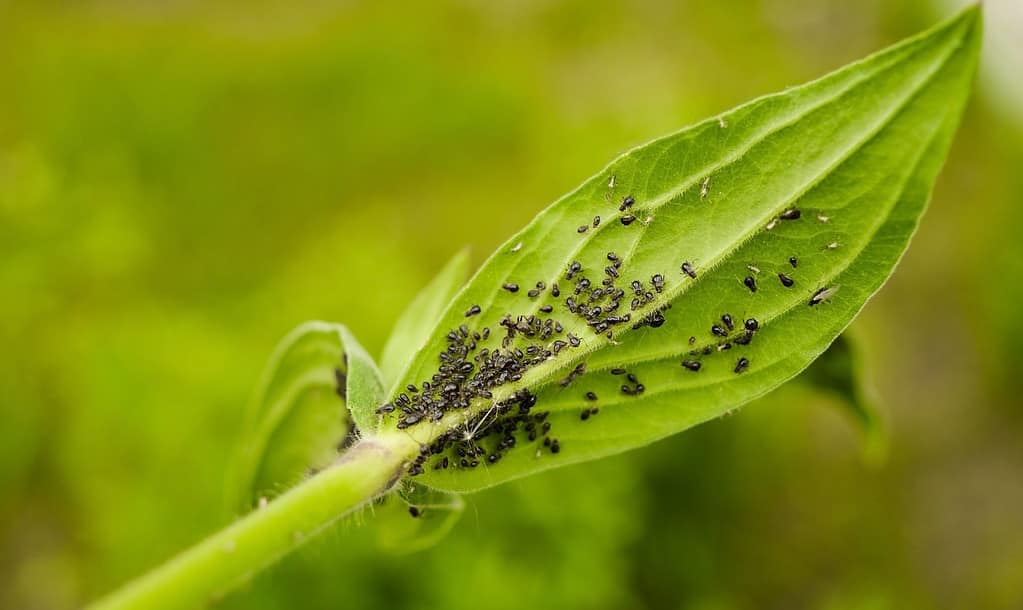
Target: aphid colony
<point x="469" y="372"/>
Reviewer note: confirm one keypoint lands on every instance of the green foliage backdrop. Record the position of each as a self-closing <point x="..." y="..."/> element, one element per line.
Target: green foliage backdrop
<point x="180" y="185"/>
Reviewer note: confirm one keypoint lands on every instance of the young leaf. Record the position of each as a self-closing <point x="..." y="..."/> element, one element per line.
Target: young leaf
<point x="416" y="518"/>
<point x="838" y="372"/>
<point x="784" y="215"/>
<point x="317" y="387"/>
<point x="421" y="316"/>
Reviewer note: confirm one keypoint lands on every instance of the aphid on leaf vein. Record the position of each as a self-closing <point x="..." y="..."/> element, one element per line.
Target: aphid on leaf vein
<point x="626" y="203"/>
<point x="790" y="214"/>
<point x="596" y="221"/>
<point x="727" y="319"/>
<point x="582" y="228"/>
<point x="688" y="269"/>
<point x="628" y="219"/>
<point x="786" y="281"/>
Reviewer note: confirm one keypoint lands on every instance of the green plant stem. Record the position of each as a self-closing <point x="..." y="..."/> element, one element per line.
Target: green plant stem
<point x="207" y="571"/>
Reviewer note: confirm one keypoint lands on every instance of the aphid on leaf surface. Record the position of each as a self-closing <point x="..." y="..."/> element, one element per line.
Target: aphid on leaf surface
<point x="582" y="228"/>
<point x="688" y="269"/>
<point x="591" y="396"/>
<point x="705" y="188"/>
<point x="724" y="346"/>
<point x="790" y="214"/>
<point x="822" y="295"/>
<point x="533" y="293"/>
<point x="584" y="415"/>
<point x="555" y="446"/>
<point x="414" y="511"/>
<point x="751" y="324"/>
<point x="475" y="309"/>
<point x="510" y="287"/>
<point x="793" y="261"/>
<point x="546" y="308"/>
<point x="692" y="339"/>
<point x="727" y="319"/>
<point x="658" y="281"/>
<point x="626" y="203"/>
<point x="618" y="371"/>
<point x="750" y="283"/>
<point x="412" y="388"/>
<point x="596" y="221"/>
<point x="692" y="365"/>
<point x="555" y="291"/>
<point x="742" y="364"/>
<point x="717" y="330"/>
<point x="786" y="281"/>
<point x="628" y="219"/>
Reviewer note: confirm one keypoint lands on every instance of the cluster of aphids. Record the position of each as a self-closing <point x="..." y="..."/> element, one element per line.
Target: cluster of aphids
<point x="472" y="367"/>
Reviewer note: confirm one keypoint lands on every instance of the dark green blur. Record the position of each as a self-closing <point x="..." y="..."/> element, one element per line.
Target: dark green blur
<point x="181" y="184"/>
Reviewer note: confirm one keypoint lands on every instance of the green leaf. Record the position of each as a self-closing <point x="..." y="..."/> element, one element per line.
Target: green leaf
<point x="415" y="518"/>
<point x="856" y="153"/>
<point x="838" y="372"/>
<point x="318" y="388"/>
<point x="421" y="316"/>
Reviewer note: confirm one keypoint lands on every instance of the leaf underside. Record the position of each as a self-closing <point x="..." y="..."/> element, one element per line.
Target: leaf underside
<point x="824" y="183"/>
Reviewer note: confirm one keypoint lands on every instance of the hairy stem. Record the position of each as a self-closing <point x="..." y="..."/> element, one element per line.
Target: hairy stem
<point x="205" y="572"/>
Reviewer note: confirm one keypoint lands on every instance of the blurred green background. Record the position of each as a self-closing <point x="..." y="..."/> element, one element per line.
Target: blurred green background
<point x="182" y="183"/>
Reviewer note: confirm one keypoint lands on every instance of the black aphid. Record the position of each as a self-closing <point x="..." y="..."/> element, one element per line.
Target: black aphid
<point x="596" y="221"/>
<point x="751" y="324"/>
<point x="611" y="256"/>
<point x="618" y="371"/>
<point x="717" y="330"/>
<point x="628" y="219"/>
<point x="692" y="339"/>
<point x="546" y="308"/>
<point x="658" y="281"/>
<point x="414" y="511"/>
<point x="750" y="283"/>
<point x="475" y="309"/>
<point x="591" y="396"/>
<point x="688" y="269"/>
<point x="574" y="268"/>
<point x="411" y="388"/>
<point x="793" y="261"/>
<point x="555" y="446"/>
<point x="582" y="228"/>
<point x="786" y="281"/>
<point x="584" y="415"/>
<point x="510" y="287"/>
<point x="626" y="203"/>
<point x="533" y="293"/>
<point x="742" y="364"/>
<point x="790" y="214"/>
<point x="692" y="365"/>
<point x="555" y="291"/>
<point x="727" y="319"/>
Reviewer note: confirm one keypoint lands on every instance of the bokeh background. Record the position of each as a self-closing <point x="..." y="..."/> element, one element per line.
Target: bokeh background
<point x="181" y="183"/>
